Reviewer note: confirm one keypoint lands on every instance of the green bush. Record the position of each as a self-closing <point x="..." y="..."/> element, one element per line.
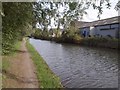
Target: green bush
<point x="17" y="16"/>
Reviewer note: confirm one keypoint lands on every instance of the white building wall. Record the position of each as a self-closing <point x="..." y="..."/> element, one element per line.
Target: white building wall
<point x="85" y="30"/>
<point x="102" y="31"/>
<point x="92" y="31"/>
<point x="115" y="26"/>
<point x="107" y="30"/>
<point x="106" y="33"/>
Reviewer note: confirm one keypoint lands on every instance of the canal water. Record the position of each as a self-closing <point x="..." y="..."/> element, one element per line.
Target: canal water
<point x="78" y="66"/>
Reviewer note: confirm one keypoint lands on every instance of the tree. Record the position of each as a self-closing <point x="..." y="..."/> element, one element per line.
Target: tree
<point x="45" y="11"/>
<point x="17" y="16"/>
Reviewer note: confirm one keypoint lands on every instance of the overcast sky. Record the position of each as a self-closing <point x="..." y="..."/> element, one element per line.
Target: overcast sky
<point x="107" y="13"/>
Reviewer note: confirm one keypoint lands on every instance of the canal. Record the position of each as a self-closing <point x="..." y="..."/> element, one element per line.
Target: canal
<point x="78" y="66"/>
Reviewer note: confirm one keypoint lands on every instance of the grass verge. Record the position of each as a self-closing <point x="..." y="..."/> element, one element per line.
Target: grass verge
<point x="46" y="77"/>
<point x="6" y="59"/>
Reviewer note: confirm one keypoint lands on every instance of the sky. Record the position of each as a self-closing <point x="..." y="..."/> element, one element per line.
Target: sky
<point x="92" y="13"/>
<point x="107" y="13"/>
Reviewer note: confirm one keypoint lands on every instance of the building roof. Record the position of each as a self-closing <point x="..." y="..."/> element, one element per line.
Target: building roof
<point x="81" y="23"/>
<point x="99" y="22"/>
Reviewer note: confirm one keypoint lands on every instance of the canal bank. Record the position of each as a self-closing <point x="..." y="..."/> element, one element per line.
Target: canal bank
<point x="91" y="42"/>
<point x="80" y="67"/>
<point x="110" y="43"/>
<point x="47" y="79"/>
<point x="25" y="68"/>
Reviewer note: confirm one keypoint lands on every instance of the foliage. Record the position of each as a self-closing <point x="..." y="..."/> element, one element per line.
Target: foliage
<point x="45" y="34"/>
<point x="47" y="13"/>
<point x="70" y="35"/>
<point x="117" y="7"/>
<point x="37" y="33"/>
<point x="40" y="34"/>
<point x="46" y="77"/>
<point x="6" y="58"/>
<point x="44" y="12"/>
<point x="6" y="63"/>
<point x="17" y="17"/>
<point x="57" y="32"/>
<point x="100" y="42"/>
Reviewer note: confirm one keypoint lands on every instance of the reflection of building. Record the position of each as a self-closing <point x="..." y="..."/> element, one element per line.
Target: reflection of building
<point x="107" y="27"/>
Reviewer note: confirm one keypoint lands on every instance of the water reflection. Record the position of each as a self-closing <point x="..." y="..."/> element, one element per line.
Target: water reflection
<point x="80" y="67"/>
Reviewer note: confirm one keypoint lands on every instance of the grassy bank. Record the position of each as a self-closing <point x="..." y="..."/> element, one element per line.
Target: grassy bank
<point x="103" y="42"/>
<point x="100" y="42"/>
<point x="46" y="77"/>
<point x="92" y="42"/>
<point x="6" y="59"/>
